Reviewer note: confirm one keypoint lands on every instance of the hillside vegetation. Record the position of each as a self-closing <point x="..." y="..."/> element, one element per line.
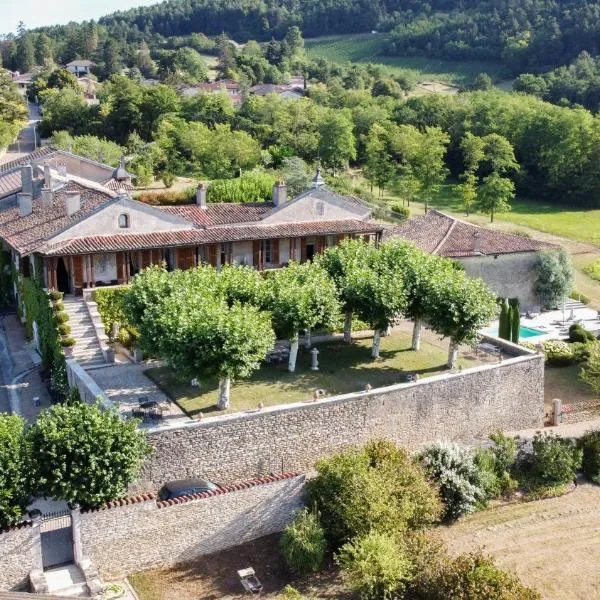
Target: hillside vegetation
<point x="370" y="48"/>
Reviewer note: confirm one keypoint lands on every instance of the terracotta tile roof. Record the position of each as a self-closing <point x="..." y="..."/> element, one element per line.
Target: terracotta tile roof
<point x="25" y="160"/>
<point x="438" y="233"/>
<point x="222" y="213"/>
<point x="141" y="241"/>
<point x="117" y="186"/>
<point x="26" y="234"/>
<point x="10" y="182"/>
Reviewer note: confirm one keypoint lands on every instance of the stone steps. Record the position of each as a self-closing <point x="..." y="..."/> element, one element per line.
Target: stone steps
<point x="87" y="350"/>
<point x="67" y="581"/>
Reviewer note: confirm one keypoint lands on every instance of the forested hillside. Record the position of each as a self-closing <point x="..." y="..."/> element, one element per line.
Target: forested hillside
<point x="526" y="35"/>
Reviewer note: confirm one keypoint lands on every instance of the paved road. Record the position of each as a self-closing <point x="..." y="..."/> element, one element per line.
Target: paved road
<point x="6" y="370"/>
<point x="26" y="141"/>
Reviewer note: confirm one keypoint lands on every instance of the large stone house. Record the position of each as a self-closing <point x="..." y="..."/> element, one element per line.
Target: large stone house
<point x="78" y="233"/>
<point x="506" y="262"/>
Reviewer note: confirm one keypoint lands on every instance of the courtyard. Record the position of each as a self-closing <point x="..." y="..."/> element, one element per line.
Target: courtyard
<point x="343" y="368"/>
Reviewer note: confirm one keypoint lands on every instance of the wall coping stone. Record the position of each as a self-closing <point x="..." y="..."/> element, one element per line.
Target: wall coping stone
<point x="17" y="526"/>
<point x="228" y="489"/>
<point x="526" y="355"/>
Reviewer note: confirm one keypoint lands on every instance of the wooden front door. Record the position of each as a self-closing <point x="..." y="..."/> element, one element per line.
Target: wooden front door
<point x="78" y="272"/>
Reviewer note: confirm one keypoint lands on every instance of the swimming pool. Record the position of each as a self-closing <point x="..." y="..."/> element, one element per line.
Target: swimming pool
<point x="524" y="332"/>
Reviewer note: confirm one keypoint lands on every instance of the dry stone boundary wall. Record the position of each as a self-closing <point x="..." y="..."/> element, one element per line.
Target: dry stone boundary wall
<point x="465" y="406"/>
<point x="20" y="552"/>
<point x="135" y="535"/>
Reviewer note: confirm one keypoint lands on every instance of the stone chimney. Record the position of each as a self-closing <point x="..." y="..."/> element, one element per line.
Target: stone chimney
<point x="477" y="242"/>
<point x="27" y="179"/>
<point x="25" y="204"/>
<point x="72" y="203"/>
<point x="47" y="177"/>
<point x="201" y="196"/>
<point x="62" y="170"/>
<point x="279" y="193"/>
<point x="47" y="197"/>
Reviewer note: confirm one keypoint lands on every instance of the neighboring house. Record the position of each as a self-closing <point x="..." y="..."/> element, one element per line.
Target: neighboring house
<point x="23" y="80"/>
<point x="63" y="163"/>
<point x="79" y="68"/>
<point x="224" y="86"/>
<point x="506" y="262"/>
<point x="285" y="91"/>
<point x="79" y="234"/>
<point x="90" y="87"/>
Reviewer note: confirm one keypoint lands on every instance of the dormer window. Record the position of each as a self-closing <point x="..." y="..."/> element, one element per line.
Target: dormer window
<point x="123" y="221"/>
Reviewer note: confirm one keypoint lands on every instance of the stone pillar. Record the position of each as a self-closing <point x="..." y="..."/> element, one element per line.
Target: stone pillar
<point x="557" y="415"/>
<point x="315" y="360"/>
<point x="76" y="530"/>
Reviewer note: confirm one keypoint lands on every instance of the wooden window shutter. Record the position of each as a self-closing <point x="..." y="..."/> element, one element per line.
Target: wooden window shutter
<point x="78" y="271"/>
<point x="256" y="254"/>
<point x="367" y="238"/>
<point x="212" y="255"/>
<point x="145" y="259"/>
<point x="302" y="249"/>
<point x="339" y="238"/>
<point x="120" y="268"/>
<point x="275" y="252"/>
<point x="185" y="258"/>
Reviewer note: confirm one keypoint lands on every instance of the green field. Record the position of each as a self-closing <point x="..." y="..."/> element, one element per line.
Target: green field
<point x="367" y="48"/>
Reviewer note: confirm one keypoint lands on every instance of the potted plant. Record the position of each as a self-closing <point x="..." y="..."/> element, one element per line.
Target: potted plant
<point x="67" y="344"/>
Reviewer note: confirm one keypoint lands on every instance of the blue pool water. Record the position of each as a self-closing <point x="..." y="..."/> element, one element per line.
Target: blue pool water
<point x="524" y="332"/>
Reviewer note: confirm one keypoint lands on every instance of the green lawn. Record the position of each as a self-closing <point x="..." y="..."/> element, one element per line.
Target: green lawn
<point x="343" y="369"/>
<point x="576" y="224"/>
<point x="365" y="48"/>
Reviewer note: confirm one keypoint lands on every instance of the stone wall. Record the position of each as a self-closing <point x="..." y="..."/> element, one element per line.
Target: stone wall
<point x="89" y="391"/>
<point x="20" y="552"/>
<point x="465" y="406"/>
<point x="507" y="275"/>
<point x="130" y="536"/>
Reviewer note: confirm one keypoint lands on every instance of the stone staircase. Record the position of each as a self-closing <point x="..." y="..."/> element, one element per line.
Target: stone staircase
<point x="67" y="581"/>
<point x="87" y="351"/>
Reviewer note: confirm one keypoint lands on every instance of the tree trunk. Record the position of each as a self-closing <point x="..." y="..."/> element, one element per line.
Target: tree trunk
<point x="416" y="337"/>
<point x="293" y="354"/>
<point x="452" y="354"/>
<point x="348" y="327"/>
<point x="376" y="343"/>
<point x="492" y="215"/>
<point x="307" y="340"/>
<point x="224" y="389"/>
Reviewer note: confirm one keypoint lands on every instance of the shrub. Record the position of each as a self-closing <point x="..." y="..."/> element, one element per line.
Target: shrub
<point x="303" y="543"/>
<point x="254" y="186"/>
<point x="14" y="466"/>
<point x="64" y="329"/>
<point x="85" y="454"/>
<point x="124" y="337"/>
<point x="591" y="371"/>
<point x="58" y="306"/>
<point x="375" y="565"/>
<point x="377" y="488"/>
<point x="460" y="481"/>
<point x="187" y="196"/>
<point x="110" y="304"/>
<point x="61" y="317"/>
<point x="290" y="593"/>
<point x="67" y="342"/>
<point x="554" y="460"/>
<point x="593" y="270"/>
<point x="575" y="295"/>
<point x="168" y="179"/>
<point x="55" y="295"/>
<point x="400" y="211"/>
<point x="582" y="351"/>
<point x="467" y="577"/>
<point x="590" y="447"/>
<point x="554" y="277"/>
<point x="578" y="333"/>
<point x="558" y="353"/>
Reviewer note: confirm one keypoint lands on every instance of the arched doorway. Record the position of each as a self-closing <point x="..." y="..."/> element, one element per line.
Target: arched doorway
<point x="63" y="282"/>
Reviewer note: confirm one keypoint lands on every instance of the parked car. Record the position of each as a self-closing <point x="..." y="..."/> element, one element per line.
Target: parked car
<point x="185" y="487"/>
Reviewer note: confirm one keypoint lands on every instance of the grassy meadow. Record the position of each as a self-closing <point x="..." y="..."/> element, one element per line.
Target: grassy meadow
<point x="367" y="48"/>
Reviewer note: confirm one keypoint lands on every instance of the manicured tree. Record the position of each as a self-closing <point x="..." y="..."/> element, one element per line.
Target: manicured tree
<point x="554" y="277"/>
<point x="241" y="284"/>
<point x="515" y="320"/>
<point x="341" y="262"/>
<point x="495" y="194"/>
<point x="504" y="323"/>
<point x="458" y="307"/>
<point x="14" y="469"/>
<point x="300" y="297"/>
<point x="84" y="454"/>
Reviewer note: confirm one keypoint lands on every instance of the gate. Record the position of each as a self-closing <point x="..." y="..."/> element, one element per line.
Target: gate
<point x="56" y="532"/>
